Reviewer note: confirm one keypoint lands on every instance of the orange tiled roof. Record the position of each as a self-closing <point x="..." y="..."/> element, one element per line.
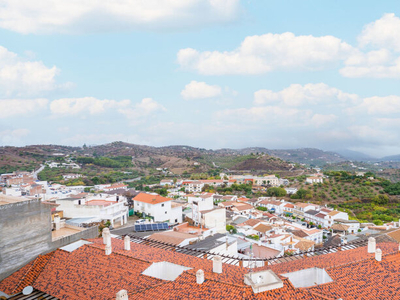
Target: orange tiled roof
<point x="151" y="199"/>
<point x="368" y="279"/>
<point x="340" y="227"/>
<point x="25" y="276"/>
<point x="331" y="259"/>
<point x="87" y="273"/>
<point x="100" y="202"/>
<point x="250" y="222"/>
<point x="263" y="228"/>
<point x="395" y="235"/>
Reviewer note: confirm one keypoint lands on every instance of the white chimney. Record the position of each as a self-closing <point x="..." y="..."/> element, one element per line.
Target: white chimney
<point x="57" y="221"/>
<point x="127" y="243"/>
<point x="378" y="254"/>
<point x="399" y="246"/>
<point x="217" y="264"/>
<point x="200" y="276"/>
<point x="122" y="295"/>
<point x="371" y="245"/>
<point x="108" y="249"/>
<point x="105" y="233"/>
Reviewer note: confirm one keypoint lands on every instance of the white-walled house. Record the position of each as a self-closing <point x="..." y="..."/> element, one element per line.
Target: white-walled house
<point x="354" y="225"/>
<point x="274" y="205"/>
<point x="161" y="209"/>
<point x="71" y="176"/>
<point x="214" y="218"/>
<point x="315" y="179"/>
<point x="194" y="186"/>
<point x="324" y="217"/>
<point x="99" y="207"/>
<point x="201" y="204"/>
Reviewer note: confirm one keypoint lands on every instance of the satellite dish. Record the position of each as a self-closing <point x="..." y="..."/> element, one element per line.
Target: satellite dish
<point x="27" y="290"/>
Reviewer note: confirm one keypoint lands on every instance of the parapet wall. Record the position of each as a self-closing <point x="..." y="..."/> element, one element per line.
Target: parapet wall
<point x="25" y="233"/>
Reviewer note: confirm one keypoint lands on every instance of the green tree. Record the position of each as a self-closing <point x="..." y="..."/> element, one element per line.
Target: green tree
<point x="381" y="199"/>
<point x="276" y="192"/>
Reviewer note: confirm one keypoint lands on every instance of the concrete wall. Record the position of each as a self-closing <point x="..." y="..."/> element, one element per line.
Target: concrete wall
<point x="88" y="233"/>
<point x="25" y="233"/>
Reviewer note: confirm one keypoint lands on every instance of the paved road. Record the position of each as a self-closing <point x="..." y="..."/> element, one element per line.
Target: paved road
<point x="35" y="173"/>
<point x="132" y="180"/>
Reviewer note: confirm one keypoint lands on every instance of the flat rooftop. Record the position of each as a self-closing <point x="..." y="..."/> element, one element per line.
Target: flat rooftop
<point x="4" y="200"/>
<point x="63" y="232"/>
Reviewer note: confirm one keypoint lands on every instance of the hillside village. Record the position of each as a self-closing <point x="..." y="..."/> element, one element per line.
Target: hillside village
<point x="240" y="231"/>
<point x="245" y="219"/>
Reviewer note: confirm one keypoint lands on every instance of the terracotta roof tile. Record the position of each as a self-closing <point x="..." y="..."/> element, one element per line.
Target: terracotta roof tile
<point x="340" y="227"/>
<point x="25" y="276"/>
<point x="395" y="235"/>
<point x="151" y="199"/>
<point x="250" y="222"/>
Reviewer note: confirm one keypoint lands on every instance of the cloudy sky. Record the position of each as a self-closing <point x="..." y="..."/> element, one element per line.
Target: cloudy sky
<point x="205" y="73"/>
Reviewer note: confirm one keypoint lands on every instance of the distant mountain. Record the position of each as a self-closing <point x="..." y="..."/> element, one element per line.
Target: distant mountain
<point x="355" y="155"/>
<point x="309" y="156"/>
<point x="391" y="158"/>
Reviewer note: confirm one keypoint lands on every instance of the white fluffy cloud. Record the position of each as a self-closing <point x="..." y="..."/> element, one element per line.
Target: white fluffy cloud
<point x="265" y="53"/>
<point x="377" y="55"/>
<point x="77" y="16"/>
<point x="18" y="107"/>
<point x="383" y="33"/>
<point x="378" y="105"/>
<point x="200" y="90"/>
<point x="319" y="120"/>
<point x="19" y="77"/>
<point x="297" y="94"/>
<point x="138" y="112"/>
<point x="383" y="61"/>
<point x="13" y="137"/>
<point x="91" y="105"/>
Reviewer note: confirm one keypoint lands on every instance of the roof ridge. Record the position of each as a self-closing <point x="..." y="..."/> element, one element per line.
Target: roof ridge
<point x="23" y="277"/>
<point x="35" y="262"/>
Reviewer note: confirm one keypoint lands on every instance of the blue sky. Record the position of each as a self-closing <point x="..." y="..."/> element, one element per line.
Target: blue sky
<point x="206" y="73"/>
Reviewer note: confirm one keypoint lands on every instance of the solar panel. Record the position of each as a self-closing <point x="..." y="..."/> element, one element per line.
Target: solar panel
<point x="151" y="227"/>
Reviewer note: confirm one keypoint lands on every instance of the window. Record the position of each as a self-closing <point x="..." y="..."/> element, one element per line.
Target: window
<point x="162" y="205"/>
<point x="165" y="212"/>
<point x="176" y="220"/>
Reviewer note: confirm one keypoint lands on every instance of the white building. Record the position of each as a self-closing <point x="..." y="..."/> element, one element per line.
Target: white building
<point x="161" y="209"/>
<point x="273" y="205"/>
<point x="271" y="180"/>
<point x="193" y="186"/>
<point x="71" y="176"/>
<point x="353" y="224"/>
<point x="315" y="179"/>
<point x="102" y="207"/>
<point x="214" y="218"/>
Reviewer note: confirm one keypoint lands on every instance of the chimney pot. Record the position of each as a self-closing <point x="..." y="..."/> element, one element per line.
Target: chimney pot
<point x="217" y="264"/>
<point x="371" y="245"/>
<point x="127" y="243"/>
<point x="200" y="276"/>
<point x="122" y="295"/>
<point x="105" y="233"/>
<point x="378" y="254"/>
<point x="57" y="221"/>
<point x="108" y="249"/>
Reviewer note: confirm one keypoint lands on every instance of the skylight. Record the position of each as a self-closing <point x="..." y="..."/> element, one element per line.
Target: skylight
<point x="165" y="270"/>
<point x="308" y="277"/>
